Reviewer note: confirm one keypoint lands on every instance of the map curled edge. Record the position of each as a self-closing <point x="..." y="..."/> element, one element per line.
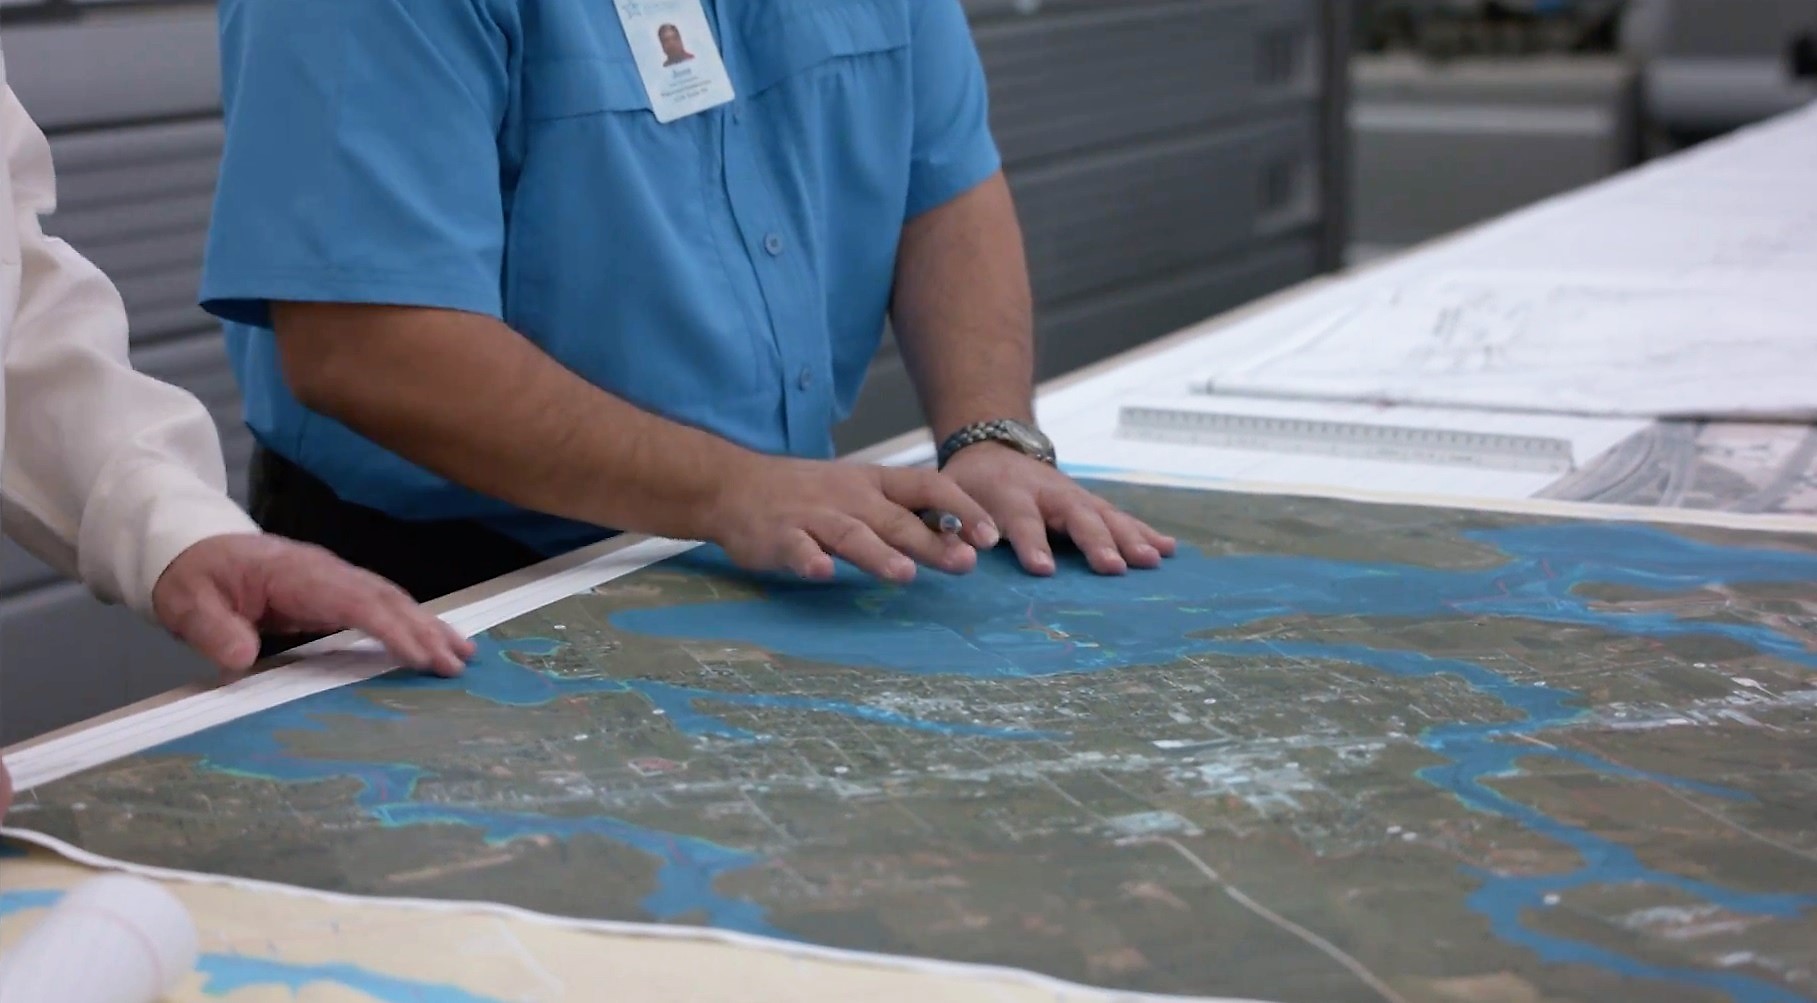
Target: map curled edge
<point x="333" y="662"/>
<point x="699" y="935"/>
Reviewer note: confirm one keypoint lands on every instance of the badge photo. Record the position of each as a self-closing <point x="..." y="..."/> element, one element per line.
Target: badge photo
<point x="676" y="56"/>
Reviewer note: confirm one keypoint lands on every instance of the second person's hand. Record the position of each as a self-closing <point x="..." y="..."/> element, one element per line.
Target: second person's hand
<point x="218" y="593"/>
<point x="774" y="514"/>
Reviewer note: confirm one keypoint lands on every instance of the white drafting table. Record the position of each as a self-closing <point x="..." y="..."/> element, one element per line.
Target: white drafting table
<point x="645" y="967"/>
<point x="1526" y="357"/>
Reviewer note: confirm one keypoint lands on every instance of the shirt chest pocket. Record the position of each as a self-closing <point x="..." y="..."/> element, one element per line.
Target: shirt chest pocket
<point x="569" y="88"/>
<point x="821" y="46"/>
<point x="787" y="48"/>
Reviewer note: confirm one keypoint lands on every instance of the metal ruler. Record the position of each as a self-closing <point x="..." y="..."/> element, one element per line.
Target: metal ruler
<point x="1350" y="439"/>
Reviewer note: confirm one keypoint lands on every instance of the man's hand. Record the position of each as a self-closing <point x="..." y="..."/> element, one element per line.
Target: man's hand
<point x="219" y="593"/>
<point x="1028" y="498"/>
<point x="798" y="515"/>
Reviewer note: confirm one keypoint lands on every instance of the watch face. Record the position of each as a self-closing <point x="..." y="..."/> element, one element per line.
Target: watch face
<point x="1029" y="440"/>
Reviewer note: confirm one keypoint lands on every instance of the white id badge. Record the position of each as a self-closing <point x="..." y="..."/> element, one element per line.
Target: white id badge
<point x="675" y="55"/>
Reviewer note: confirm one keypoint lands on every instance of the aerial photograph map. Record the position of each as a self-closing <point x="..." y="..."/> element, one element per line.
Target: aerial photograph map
<point x="1332" y="751"/>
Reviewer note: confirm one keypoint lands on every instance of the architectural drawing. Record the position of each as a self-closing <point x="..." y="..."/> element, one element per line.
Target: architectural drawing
<point x="1560" y="344"/>
<point x="1729" y="467"/>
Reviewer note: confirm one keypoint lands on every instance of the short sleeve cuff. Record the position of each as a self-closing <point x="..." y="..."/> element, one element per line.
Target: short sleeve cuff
<point x="936" y="183"/>
<point x="140" y="519"/>
<point x="247" y="299"/>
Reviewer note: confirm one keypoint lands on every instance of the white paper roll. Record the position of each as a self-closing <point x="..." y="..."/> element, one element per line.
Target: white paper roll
<point x="112" y="939"/>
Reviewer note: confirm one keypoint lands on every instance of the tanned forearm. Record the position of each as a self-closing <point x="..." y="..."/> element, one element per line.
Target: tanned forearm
<point x="962" y="312"/>
<point x="467" y="397"/>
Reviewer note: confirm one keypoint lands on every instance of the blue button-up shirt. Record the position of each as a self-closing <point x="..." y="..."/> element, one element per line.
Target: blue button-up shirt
<point x="730" y="270"/>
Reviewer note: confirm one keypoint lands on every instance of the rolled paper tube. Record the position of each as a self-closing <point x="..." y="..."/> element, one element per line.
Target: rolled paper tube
<point x="112" y="939"/>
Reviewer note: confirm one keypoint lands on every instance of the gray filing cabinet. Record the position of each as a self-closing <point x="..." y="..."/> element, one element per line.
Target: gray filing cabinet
<point x="1172" y="159"/>
<point x="1441" y="146"/>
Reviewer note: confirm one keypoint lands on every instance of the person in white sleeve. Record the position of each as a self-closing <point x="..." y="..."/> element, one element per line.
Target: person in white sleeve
<point x="117" y="480"/>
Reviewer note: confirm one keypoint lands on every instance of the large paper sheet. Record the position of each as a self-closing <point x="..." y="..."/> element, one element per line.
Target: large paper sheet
<point x="1586" y="344"/>
<point x="1681" y="289"/>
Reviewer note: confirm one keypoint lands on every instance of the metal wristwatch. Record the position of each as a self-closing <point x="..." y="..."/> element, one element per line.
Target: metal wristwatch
<point x="1017" y="435"/>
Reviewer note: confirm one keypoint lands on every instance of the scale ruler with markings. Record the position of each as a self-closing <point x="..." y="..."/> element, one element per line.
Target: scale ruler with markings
<point x="1349" y="439"/>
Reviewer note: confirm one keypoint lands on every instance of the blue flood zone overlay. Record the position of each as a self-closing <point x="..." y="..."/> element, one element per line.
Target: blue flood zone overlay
<point x="225" y="974"/>
<point x="1090" y="471"/>
<point x="14" y="902"/>
<point x="1001" y="624"/>
<point x="687" y="867"/>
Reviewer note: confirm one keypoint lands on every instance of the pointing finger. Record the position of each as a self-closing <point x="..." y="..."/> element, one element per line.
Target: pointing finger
<point x="379" y="617"/>
<point x="1027" y="535"/>
<point x="1085" y="524"/>
<point x="851" y="539"/>
<point x="446" y="650"/>
<point x="904" y="531"/>
<point x="917" y="489"/>
<point x="214" y="630"/>
<point x="1158" y="540"/>
<point x="1133" y="539"/>
<point x="803" y="556"/>
<point x="399" y="637"/>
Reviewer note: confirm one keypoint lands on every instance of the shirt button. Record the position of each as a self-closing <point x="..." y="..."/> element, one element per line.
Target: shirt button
<point x="773" y="244"/>
<point x="805" y="379"/>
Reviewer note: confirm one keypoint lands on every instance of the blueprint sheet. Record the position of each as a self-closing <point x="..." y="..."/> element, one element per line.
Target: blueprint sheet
<point x="1560" y="343"/>
<point x="1681" y="289"/>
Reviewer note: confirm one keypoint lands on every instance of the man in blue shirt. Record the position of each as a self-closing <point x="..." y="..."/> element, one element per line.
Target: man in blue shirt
<point x="485" y="301"/>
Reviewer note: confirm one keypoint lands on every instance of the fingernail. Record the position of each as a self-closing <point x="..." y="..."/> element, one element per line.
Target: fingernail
<point x="901" y="567"/>
<point x="988" y="535"/>
<point x="1148" y="553"/>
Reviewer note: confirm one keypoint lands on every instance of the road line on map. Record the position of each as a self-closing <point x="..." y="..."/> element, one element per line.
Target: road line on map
<point x="1738" y="827"/>
<point x="1685" y="799"/>
<point x="530" y="960"/>
<point x="654" y="931"/>
<point x="1325" y="947"/>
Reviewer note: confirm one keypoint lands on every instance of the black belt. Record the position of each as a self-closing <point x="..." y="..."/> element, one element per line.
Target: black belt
<point x="428" y="559"/>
